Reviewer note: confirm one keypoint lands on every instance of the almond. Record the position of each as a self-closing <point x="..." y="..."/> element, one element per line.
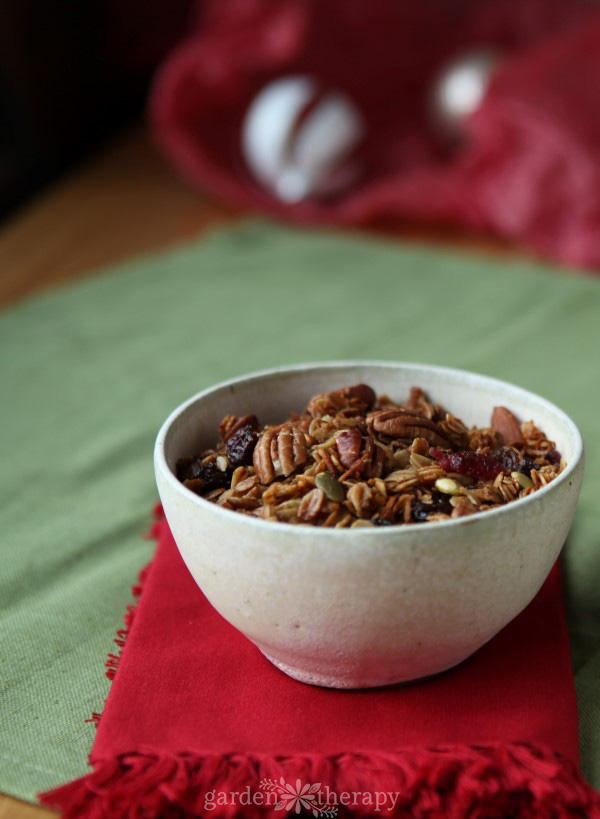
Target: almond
<point x="507" y="426"/>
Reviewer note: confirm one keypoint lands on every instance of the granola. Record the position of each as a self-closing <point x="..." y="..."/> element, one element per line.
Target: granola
<point x="352" y="459"/>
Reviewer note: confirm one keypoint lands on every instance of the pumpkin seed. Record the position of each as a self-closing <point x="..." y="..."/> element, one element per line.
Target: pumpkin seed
<point x="522" y="479"/>
<point x="333" y="489"/>
<point x="447" y="486"/>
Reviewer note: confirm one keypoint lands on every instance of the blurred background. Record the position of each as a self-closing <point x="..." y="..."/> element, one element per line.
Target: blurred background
<point x="475" y="115"/>
<point x="72" y="75"/>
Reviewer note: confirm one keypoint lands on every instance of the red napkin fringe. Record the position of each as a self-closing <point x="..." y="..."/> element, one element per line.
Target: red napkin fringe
<point x="112" y="659"/>
<point x="446" y="782"/>
<point x="518" y="780"/>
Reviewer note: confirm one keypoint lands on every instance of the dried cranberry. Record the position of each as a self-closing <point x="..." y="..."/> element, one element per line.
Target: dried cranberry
<point x="189" y="469"/>
<point x="477" y="464"/>
<point x="240" y="446"/>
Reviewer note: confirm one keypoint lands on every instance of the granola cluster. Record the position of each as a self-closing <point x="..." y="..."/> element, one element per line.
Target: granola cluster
<point x="352" y="459"/>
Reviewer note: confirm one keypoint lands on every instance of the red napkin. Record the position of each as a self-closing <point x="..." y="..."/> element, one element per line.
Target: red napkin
<point x="199" y="723"/>
<point x="529" y="168"/>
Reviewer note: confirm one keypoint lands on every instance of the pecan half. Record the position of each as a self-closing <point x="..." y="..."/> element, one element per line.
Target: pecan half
<point x="507" y="426"/>
<point x="349" y="444"/>
<point x="419" y="402"/>
<point x="263" y="464"/>
<point x="278" y="452"/>
<point x="456" y="431"/>
<point x="369" y="465"/>
<point x="401" y="423"/>
<point x="373" y="468"/>
<point x="360" y="397"/>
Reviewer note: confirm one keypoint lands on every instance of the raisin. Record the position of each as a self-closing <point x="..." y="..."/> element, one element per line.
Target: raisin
<point x="240" y="446"/>
<point x="421" y="511"/>
<point x="382" y="522"/>
<point x="441" y="503"/>
<point x="508" y="457"/>
<point x="526" y="465"/>
<point x="477" y="464"/>
<point x="192" y="469"/>
<point x="186" y="469"/>
<point x="554" y="457"/>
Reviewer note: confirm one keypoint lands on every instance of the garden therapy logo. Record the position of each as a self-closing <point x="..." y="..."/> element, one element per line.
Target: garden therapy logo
<point x="318" y="800"/>
<point x="297" y="797"/>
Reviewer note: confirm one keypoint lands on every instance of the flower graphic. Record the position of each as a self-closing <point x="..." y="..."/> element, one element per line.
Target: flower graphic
<point x="297" y="797"/>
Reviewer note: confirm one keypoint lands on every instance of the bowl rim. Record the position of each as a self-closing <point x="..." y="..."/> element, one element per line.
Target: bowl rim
<point x="293" y="530"/>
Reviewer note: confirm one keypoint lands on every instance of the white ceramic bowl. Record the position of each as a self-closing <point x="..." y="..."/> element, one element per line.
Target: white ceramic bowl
<point x="350" y="608"/>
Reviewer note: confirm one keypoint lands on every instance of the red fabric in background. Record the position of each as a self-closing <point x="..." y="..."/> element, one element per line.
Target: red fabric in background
<point x="190" y="687"/>
<point x="528" y="171"/>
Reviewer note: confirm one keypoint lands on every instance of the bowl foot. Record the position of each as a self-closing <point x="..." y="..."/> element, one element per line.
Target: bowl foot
<point x="336" y="681"/>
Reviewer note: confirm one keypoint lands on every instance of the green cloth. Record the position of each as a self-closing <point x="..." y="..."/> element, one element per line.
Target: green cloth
<point x="89" y="372"/>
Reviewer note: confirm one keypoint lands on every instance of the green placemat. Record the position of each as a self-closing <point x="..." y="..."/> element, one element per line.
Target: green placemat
<point x="88" y="374"/>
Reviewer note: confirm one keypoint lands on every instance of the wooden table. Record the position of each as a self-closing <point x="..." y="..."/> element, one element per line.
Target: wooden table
<point x="125" y="201"/>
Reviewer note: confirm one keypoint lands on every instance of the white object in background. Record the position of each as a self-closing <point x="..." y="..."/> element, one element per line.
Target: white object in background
<point x="297" y="144"/>
<point x="460" y="89"/>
